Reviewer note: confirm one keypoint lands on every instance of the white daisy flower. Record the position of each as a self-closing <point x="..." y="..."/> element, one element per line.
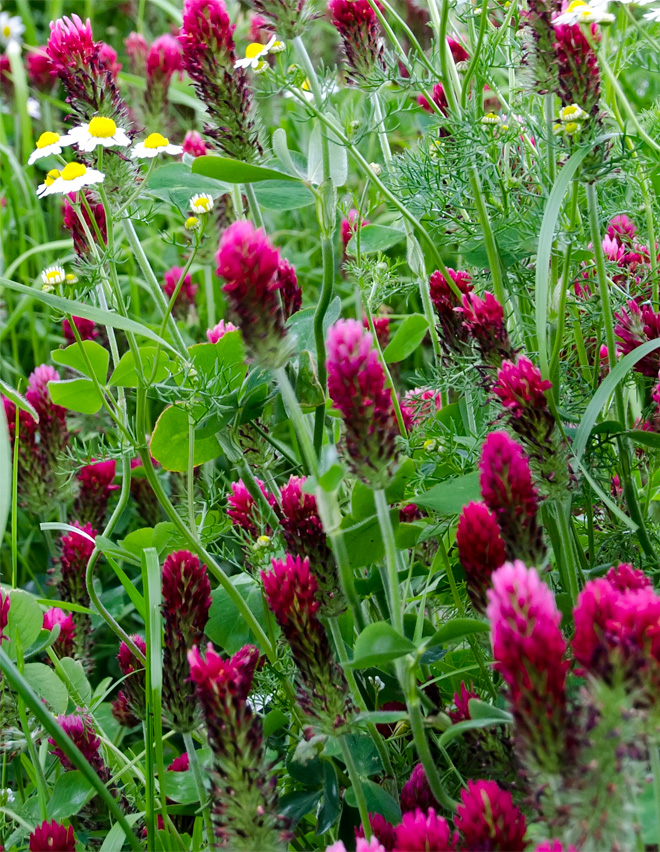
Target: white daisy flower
<point x="53" y="275"/>
<point x="154" y="145"/>
<point x="100" y="131"/>
<point x="201" y="203"/>
<point x="255" y="52"/>
<point x="192" y="223"/>
<point x="490" y="118"/>
<point x="49" y="143"/>
<point x="572" y="113"/>
<point x="74" y="176"/>
<point x="11" y="28"/>
<point x="653" y="15"/>
<point x="71" y="278"/>
<point x="580" y="12"/>
<point x="33" y="108"/>
<point x="306" y="90"/>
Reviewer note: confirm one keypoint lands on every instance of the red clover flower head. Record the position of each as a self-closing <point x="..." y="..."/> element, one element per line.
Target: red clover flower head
<point x="622" y="229"/>
<point x="381" y="327"/>
<point x="356" y="384"/>
<point x="243" y="510"/>
<point x="481" y="550"/>
<point x="122" y="712"/>
<point x="193" y="144"/>
<point x="5" y="603"/>
<point x="180" y="763"/>
<point x="137" y="48"/>
<point x="207" y="41"/>
<point x="554" y="846"/>
<point x="416" y="792"/>
<point x="95" y="482"/>
<point x="163" y="61"/>
<point x="76" y="550"/>
<point x="79" y="727"/>
<point x="64" y="646"/>
<point x="349" y="226"/>
<point x="74" y="226"/>
<point x="71" y="43"/>
<point x="418" y="405"/>
<point x="53" y="837"/>
<point x="133" y="686"/>
<point x="529" y="651"/>
<point x="218" y="331"/>
<point x="250" y="265"/>
<point x="506" y="485"/>
<point x="304" y="536"/>
<point x="86" y="329"/>
<point x="453" y="334"/>
<point x="185" y="299"/>
<point x="381" y="830"/>
<point x="488" y="819"/>
<point x="625" y="577"/>
<point x="483" y="320"/>
<point x="637" y="324"/>
<point x="462" y="702"/>
<point x="520" y="387"/>
<point x="39" y="68"/>
<point x="577" y="67"/>
<point x="186" y="604"/>
<point x="543" y="60"/>
<point x="108" y="59"/>
<point x="291" y="593"/>
<point x="290" y="290"/>
<point x="419" y="831"/>
<point x="361" y="37"/>
<point x="439" y="99"/>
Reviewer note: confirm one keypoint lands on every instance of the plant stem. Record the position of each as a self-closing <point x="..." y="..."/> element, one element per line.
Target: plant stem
<point x="424" y="752"/>
<point x="298" y="419"/>
<point x="328" y="255"/>
<point x="391" y="578"/>
<point x="199" y="783"/>
<point x="255" y="210"/>
<point x="357" y="786"/>
<point x="489" y="238"/>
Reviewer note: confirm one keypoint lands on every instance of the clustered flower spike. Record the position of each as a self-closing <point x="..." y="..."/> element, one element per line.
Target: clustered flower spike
<point x="381" y="830"/>
<point x="483" y="319"/>
<point x="185" y="299"/>
<point x="481" y="550"/>
<point x="250" y="265"/>
<point x="236" y="739"/>
<point x="73" y="224"/>
<point x="5" y="603"/>
<point x="186" y="603"/>
<point x="529" y="651"/>
<point x="133" y="687"/>
<point x="488" y="819"/>
<point x="361" y="37"/>
<point x="209" y="55"/>
<point x="290" y="590"/>
<point x="506" y="485"/>
<point x="79" y="727"/>
<point x="356" y="385"/>
<point x="95" y="487"/>
<point x="420" y="831"/>
<point x="64" y="645"/>
<point x="75" y="551"/>
<point x="52" y="837"/>
<point x="290" y="291"/>
<point x="578" y="73"/>
<point x="617" y="631"/>
<point x="453" y="334"/>
<point x="218" y="332"/>
<point x="539" y="17"/>
<point x="87" y="329"/>
<point x="416" y="792"/>
<point x="244" y="511"/>
<point x="163" y="61"/>
<point x="637" y="324"/>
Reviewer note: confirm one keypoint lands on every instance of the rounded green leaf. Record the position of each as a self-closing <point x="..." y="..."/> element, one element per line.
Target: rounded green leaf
<point x="233" y="171"/>
<point x="79" y="395"/>
<point x="379" y="644"/>
<point x="169" y="441"/>
<point x="375" y="238"/>
<point x="47" y="685"/>
<point x="449" y="497"/>
<point x="26" y="619"/>
<point x="408" y="337"/>
<point x="77" y="357"/>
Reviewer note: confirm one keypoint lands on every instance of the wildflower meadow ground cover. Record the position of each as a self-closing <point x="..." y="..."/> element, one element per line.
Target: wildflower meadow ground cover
<point x="330" y="436"/>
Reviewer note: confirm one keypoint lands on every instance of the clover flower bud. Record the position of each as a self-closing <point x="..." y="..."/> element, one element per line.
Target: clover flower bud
<point x="637" y="324"/>
<point x="74" y="226"/>
<point x="86" y="329"/>
<point x="481" y="550"/>
<point x="75" y="552"/>
<point x="244" y="511"/>
<point x="488" y="819"/>
<point x="381" y="830"/>
<point x="186" y="603"/>
<point x="484" y="321"/>
<point x="163" y="61"/>
<point x="193" y="144"/>
<point x="5" y="603"/>
<point x="52" y="836"/>
<point x="218" y="332"/>
<point x="416" y="792"/>
<point x="453" y="335"/>
<point x="134" y="685"/>
<point x="64" y="645"/>
<point x="361" y="37"/>
<point x="419" y="831"/>
<point x="506" y="485"/>
<point x="122" y="712"/>
<point x="79" y="727"/>
<point x="185" y="299"/>
<point x="349" y="226"/>
<point x="209" y="55"/>
<point x="250" y="265"/>
<point x="291" y="594"/>
<point x="357" y="387"/>
<point x="529" y="651"/>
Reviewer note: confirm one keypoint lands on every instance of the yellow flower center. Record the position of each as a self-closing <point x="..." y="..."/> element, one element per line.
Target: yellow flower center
<point x="569" y="112"/>
<point x="572" y="127"/>
<point x="47" y="138"/>
<point x="156" y="140"/>
<point x="102" y="128"/>
<point x="203" y="204"/>
<point x="263" y="540"/>
<point x="577" y="5"/>
<point x="6" y="31"/>
<point x="52" y="175"/>
<point x="53" y="275"/>
<point x="253" y="50"/>
<point x="306" y="86"/>
<point x="72" y="171"/>
<point x="71" y="278"/>
<point x="191" y="222"/>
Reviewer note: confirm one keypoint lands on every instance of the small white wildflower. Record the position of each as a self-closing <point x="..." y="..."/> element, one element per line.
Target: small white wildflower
<point x="580" y="12"/>
<point x="99" y="131"/>
<point x="490" y="118"/>
<point x="53" y="275"/>
<point x="192" y="223"/>
<point x="11" y="29"/>
<point x="255" y="52"/>
<point x="376" y="168"/>
<point x="154" y="145"/>
<point x="33" y="108"/>
<point x="201" y="203"/>
<point x="48" y="143"/>
<point x="74" y="176"/>
<point x="572" y="113"/>
<point x="376" y="682"/>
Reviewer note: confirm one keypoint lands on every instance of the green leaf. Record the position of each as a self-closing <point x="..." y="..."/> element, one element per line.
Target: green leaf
<point x="169" y="441"/>
<point x="456" y="629"/>
<point x="75" y="674"/>
<point x="644" y="438"/>
<point x="470" y="725"/>
<point x="605" y="389"/>
<point x="73" y="357"/>
<point x="25" y="619"/>
<point x="302" y="324"/>
<point x="125" y="374"/>
<point x="407" y="338"/>
<point x="382" y="717"/>
<point x="364" y="752"/>
<point x="546" y="237"/>
<point x="378" y="644"/>
<point x="337" y="159"/>
<point x="294" y="806"/>
<point x="378" y="801"/>
<point x="18" y="400"/>
<point x="364" y="542"/>
<point x="47" y="685"/>
<point x="79" y="395"/>
<point x="449" y="497"/>
<point x="180" y="787"/>
<point x="70" y="792"/>
<point x="274" y="721"/>
<point x="375" y="238"/>
<point x="221" y="363"/>
<point x="481" y="710"/>
<point x="175" y="184"/>
<point x="330" y="809"/>
<point x="233" y="171"/>
<point x="283" y="195"/>
<point x="226" y="626"/>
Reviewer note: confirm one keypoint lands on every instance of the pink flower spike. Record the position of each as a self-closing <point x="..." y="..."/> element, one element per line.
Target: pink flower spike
<point x="185" y="299"/>
<point x="5" y="603"/>
<point x="218" y="332"/>
<point x="193" y="144"/>
<point x="243" y="510"/>
<point x="481" y="550"/>
<point x="71" y="43"/>
<point x="79" y="727"/>
<point x="416" y="792"/>
<point x="488" y="819"/>
<point x="52" y="837"/>
<point x="520" y="387"/>
<point x="361" y="37"/>
<point x="382" y="833"/>
<point x="420" y="832"/>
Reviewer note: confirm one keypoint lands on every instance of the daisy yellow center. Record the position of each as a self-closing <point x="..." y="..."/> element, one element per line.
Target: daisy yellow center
<point x="102" y="128"/>
<point x="570" y="112"/>
<point x="191" y="221"/>
<point x="577" y="6"/>
<point x="52" y="175"/>
<point x="203" y="203"/>
<point x="47" y="138"/>
<point x="253" y="50"/>
<point x="6" y="31"/>
<point x="306" y="86"/>
<point x="72" y="171"/>
<point x="53" y="275"/>
<point x="156" y="140"/>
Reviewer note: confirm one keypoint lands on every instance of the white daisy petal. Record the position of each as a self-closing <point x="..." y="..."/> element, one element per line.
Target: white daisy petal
<point x="73" y="177"/>
<point x="100" y="131"/>
<point x="47" y="144"/>
<point x="154" y="145"/>
<point x="11" y="29"/>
